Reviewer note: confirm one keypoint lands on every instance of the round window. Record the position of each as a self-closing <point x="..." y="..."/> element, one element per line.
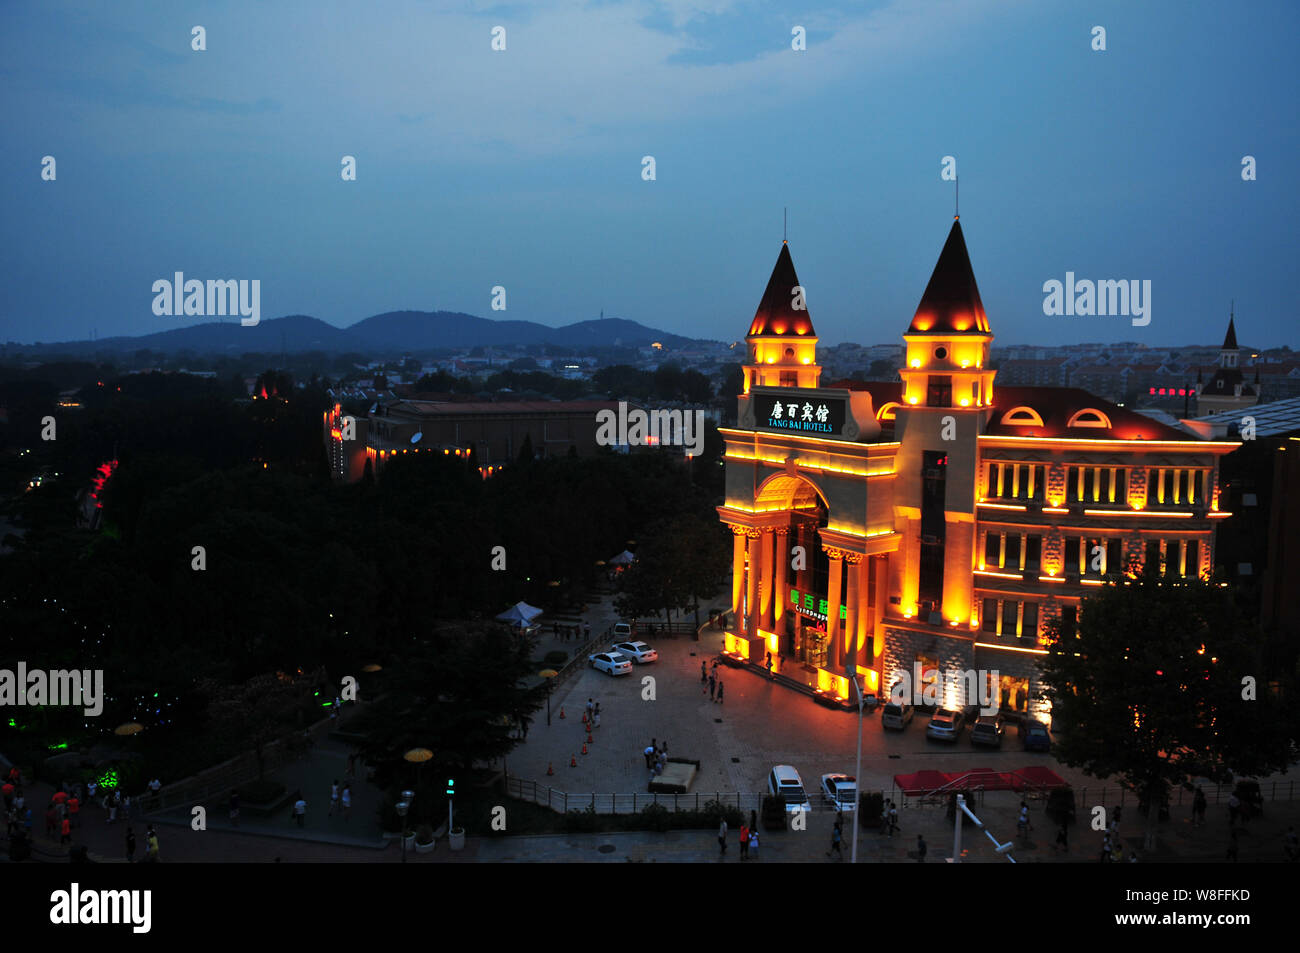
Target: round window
<point x="789" y="352"/>
<point x="941" y="352"/>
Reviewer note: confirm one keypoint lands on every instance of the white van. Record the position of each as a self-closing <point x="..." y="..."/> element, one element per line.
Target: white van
<point x="784" y="782"/>
<point x="623" y="631"/>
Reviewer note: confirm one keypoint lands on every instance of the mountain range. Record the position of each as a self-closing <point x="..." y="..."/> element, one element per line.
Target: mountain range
<point x="400" y="331"/>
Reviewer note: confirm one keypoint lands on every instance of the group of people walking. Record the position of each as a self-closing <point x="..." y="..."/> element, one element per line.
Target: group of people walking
<point x="656" y="757"/>
<point x="711" y="681"/>
<point x="748" y="838"/>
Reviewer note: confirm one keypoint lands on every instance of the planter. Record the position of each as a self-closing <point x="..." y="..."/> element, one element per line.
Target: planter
<point x="425" y="848"/>
<point x="408" y="840"/>
<point x="456" y="838"/>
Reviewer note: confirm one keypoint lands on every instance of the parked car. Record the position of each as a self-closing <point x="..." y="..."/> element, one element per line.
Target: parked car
<point x="638" y="652"/>
<point x="1034" y="736"/>
<point x="611" y="662"/>
<point x="785" y="783"/>
<point x="623" y="630"/>
<point x="897" y="715"/>
<point x="945" y="725"/>
<point x="841" y="790"/>
<point x="987" y="731"/>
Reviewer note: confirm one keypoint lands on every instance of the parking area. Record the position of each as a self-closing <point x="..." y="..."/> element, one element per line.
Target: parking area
<point x="759" y="724"/>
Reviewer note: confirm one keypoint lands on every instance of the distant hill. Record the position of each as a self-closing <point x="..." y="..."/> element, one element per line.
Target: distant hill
<point x="391" y="331"/>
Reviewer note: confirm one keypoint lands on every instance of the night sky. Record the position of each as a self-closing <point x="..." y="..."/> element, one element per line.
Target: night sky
<point x="523" y="168"/>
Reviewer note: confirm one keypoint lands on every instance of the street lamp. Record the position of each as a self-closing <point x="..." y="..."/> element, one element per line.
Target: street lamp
<point x="548" y="674"/>
<point x="402" y="808"/>
<point x="857" y="773"/>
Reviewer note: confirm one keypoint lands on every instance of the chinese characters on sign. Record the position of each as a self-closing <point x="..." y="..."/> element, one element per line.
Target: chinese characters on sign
<point x="819" y="415"/>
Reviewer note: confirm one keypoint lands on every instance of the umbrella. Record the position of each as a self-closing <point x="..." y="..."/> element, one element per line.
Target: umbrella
<point x="130" y="728"/>
<point x="7" y="789"/>
<point x="372" y="667"/>
<point x="418" y="755"/>
<point x="60" y="797"/>
<point x="622" y="559"/>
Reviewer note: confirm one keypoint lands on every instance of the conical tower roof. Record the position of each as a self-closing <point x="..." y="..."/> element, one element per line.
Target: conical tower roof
<point x="951" y="303"/>
<point x="776" y="314"/>
<point x="1230" y="339"/>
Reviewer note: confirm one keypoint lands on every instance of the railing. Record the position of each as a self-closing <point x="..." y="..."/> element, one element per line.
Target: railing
<point x="1279" y="791"/>
<point x="563" y="801"/>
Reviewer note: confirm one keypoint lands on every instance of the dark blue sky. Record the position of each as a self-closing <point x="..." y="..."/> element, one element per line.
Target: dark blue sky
<point x="523" y="168"/>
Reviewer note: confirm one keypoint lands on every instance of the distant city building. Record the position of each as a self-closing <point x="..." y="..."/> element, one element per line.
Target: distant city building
<point x="1228" y="389"/>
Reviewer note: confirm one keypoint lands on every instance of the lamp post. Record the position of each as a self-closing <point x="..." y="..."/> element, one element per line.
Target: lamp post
<point x="857" y="773"/>
<point x="548" y="674"/>
<point x="402" y="808"/>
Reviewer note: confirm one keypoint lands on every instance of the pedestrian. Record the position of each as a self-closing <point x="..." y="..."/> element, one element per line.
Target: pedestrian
<point x="1022" y="822"/>
<point x="649" y="755"/>
<point x="113" y="803"/>
<point x="722" y="838"/>
<point x="51" y="821"/>
<point x="151" y="846"/>
<point x="591" y="707"/>
<point x="1063" y="838"/>
<point x="27" y="823"/>
<point x="1234" y="809"/>
<point x="234" y="807"/>
<point x="769" y="664"/>
<point x="347" y="802"/>
<point x="704" y="674"/>
<point x="753" y="843"/>
<point x="300" y="810"/>
<point x="90" y="790"/>
<point x="130" y="845"/>
<point x="1290" y="844"/>
<point x="334" y="798"/>
<point x="586" y="630"/>
<point x="720" y="686"/>
<point x="1024" y="816"/>
<point x="65" y="832"/>
<point x="893" y="818"/>
<point x="1198" y="808"/>
<point x="596" y="716"/>
<point x="714" y="670"/>
<point x="713" y="684"/>
<point x="1232" y="845"/>
<point x="1105" y="848"/>
<point x="663" y="746"/>
<point x="74" y="811"/>
<point x="744" y="842"/>
<point x="836" y="837"/>
<point x="1118" y="852"/>
<point x="126" y="806"/>
<point x="884" y="818"/>
<point x="921" y="849"/>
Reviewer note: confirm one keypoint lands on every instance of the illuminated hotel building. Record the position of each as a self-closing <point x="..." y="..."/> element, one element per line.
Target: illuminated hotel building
<point x="941" y="520"/>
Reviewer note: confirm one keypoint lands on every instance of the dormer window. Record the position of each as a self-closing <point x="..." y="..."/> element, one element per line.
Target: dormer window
<point x="1022" y="417"/>
<point x="1089" y="417"/>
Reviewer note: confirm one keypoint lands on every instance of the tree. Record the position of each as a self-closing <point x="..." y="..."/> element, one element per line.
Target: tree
<point x="678" y="561"/>
<point x="1155" y="688"/>
<point x="261" y="710"/>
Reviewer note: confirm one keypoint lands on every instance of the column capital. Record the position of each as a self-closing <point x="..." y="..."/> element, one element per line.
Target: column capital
<point x="834" y="553"/>
<point x="738" y="530"/>
<point x="753" y="532"/>
<point x="781" y="530"/>
<point x="852" y="558"/>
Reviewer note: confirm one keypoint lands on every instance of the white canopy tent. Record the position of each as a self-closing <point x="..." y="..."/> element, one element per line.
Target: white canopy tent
<point x="623" y="559"/>
<point x="521" y="613"/>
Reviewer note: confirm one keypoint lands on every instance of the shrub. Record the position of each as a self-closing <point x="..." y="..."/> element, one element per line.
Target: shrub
<point x="585" y="821"/>
<point x="656" y="817"/>
<point x="265" y="791"/>
<point x="717" y="812"/>
<point x="773" y="814"/>
<point x="425" y="835"/>
<point x="1060" y="806"/>
<point x="556" y="659"/>
<point x="870" y="804"/>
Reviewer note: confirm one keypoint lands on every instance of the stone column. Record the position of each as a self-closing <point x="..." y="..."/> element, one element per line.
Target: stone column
<point x="779" y="594"/>
<point x="765" y="581"/>
<point x="833" y="628"/>
<point x="755" y="538"/>
<point x="737" y="574"/>
<point x="852" y="613"/>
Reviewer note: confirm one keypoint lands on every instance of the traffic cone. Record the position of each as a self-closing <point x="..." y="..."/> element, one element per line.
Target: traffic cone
<point x="584" y="749"/>
<point x="589" y="741"/>
<point x="550" y="769"/>
<point x="573" y="760"/>
<point x="561" y="711"/>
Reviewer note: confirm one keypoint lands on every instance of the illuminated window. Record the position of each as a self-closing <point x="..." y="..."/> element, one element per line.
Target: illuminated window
<point x="789" y="378"/>
<point x="1015" y="693"/>
<point x="1011" y="560"/>
<point x="992" y="549"/>
<point x="1010" y="612"/>
<point x="1089" y="418"/>
<point x="939" y="392"/>
<point x="1022" y="417"/>
<point x="1033" y="553"/>
<point x="990" y="620"/>
<point x="1029" y="622"/>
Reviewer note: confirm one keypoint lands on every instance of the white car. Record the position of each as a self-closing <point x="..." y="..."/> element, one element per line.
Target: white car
<point x="610" y="662"/>
<point x="638" y="652"/>
<point x="841" y="790"/>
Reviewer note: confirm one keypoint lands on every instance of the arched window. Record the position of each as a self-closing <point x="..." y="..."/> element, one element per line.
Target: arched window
<point x="1022" y="417"/>
<point x="1089" y="417"/>
<point x="886" y="411"/>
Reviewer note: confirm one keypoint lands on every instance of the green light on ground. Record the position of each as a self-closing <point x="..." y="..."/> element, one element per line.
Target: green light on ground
<point x="59" y="747"/>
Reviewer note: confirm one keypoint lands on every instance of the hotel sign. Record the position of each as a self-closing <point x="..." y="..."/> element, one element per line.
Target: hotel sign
<point x="807" y="411"/>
